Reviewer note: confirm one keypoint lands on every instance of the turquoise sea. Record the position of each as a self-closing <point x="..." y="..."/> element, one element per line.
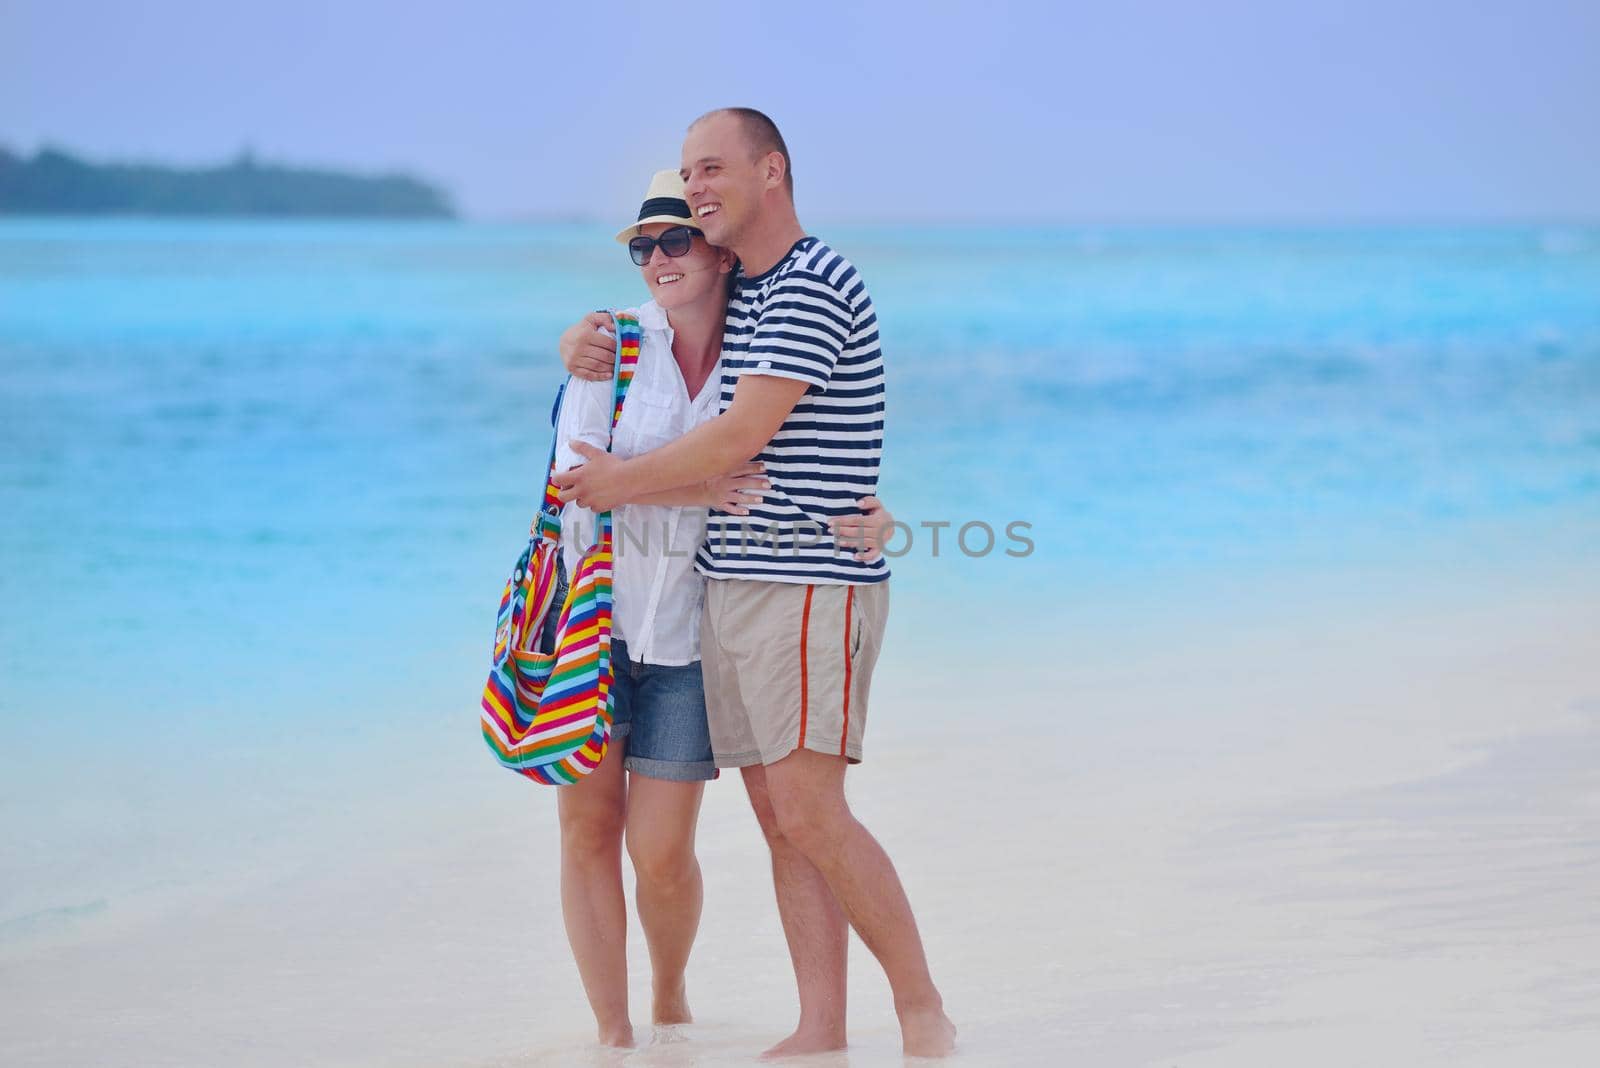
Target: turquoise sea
<point x="260" y="482"/>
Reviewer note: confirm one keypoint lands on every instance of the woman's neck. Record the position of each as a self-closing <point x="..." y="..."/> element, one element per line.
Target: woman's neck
<point x="697" y="338"/>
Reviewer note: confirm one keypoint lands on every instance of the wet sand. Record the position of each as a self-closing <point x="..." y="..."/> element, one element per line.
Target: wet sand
<point x="1308" y="837"/>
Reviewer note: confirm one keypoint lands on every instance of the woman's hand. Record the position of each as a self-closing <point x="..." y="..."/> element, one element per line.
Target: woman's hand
<point x="587" y="348"/>
<point x="865" y="532"/>
<point x="737" y="490"/>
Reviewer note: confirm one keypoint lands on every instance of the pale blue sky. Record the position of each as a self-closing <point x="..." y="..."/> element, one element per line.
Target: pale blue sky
<point x="1140" y="111"/>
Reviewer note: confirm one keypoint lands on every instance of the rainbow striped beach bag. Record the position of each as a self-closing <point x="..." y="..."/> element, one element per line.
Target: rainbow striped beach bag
<point x="548" y="715"/>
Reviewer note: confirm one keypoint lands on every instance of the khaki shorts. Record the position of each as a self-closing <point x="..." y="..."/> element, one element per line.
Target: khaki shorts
<point x="788" y="666"/>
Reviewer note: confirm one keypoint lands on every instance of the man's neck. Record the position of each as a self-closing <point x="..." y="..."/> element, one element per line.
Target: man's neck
<point x="761" y="251"/>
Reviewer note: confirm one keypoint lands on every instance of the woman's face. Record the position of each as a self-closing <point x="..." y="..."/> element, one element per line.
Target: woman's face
<point x="680" y="281"/>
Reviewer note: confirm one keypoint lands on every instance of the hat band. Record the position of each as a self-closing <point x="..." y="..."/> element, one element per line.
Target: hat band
<point x="673" y="206"/>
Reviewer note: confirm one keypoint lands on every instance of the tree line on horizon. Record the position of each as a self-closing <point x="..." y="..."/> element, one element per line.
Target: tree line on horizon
<point x="55" y="182"/>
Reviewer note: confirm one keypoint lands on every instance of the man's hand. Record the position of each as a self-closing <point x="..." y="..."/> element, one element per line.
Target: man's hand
<point x="737" y="490"/>
<point x="865" y="532"/>
<point x="586" y="351"/>
<point x="760" y="405"/>
<point x="596" y="485"/>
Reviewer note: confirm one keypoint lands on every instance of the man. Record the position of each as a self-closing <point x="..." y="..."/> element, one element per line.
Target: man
<point x="792" y="620"/>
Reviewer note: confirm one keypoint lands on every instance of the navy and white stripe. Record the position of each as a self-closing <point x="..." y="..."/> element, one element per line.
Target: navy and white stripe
<point x="809" y="318"/>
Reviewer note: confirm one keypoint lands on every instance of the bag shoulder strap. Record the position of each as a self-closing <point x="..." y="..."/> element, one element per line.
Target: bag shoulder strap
<point x="547" y="524"/>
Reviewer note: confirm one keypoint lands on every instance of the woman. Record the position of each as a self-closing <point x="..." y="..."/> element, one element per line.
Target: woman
<point x="647" y="790"/>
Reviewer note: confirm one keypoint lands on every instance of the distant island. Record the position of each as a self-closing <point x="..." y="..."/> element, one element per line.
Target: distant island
<point x="56" y="183"/>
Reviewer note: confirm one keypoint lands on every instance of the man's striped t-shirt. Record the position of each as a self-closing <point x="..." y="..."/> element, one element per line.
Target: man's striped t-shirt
<point x="809" y="318"/>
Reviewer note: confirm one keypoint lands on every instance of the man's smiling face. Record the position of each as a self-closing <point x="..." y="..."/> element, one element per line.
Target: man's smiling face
<point x="723" y="179"/>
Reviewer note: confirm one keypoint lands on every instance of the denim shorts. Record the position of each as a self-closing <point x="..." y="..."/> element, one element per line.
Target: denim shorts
<point x="660" y="710"/>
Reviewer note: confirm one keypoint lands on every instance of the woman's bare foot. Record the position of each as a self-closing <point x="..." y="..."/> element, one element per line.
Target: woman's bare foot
<point x="617" y="1036"/>
<point x="671" y="1006"/>
<point x="808" y="1038"/>
<point x="927" y="1032"/>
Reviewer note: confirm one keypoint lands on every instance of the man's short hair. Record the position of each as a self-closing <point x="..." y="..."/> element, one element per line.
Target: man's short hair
<point x="761" y="133"/>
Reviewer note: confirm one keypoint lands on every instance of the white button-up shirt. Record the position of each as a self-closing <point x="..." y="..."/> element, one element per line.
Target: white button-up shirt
<point x="657" y="591"/>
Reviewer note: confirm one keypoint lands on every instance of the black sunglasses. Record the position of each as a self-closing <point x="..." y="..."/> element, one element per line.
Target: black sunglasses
<point x="674" y="241"/>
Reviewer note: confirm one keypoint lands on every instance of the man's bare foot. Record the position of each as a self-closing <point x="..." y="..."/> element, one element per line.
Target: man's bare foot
<point x="619" y="1036"/>
<point x="927" y="1033"/>
<point x="808" y="1039"/>
<point x="671" y="1007"/>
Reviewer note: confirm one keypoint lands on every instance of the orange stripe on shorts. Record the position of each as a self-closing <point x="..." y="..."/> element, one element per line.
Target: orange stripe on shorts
<point x="849" y="595"/>
<point x="805" y="622"/>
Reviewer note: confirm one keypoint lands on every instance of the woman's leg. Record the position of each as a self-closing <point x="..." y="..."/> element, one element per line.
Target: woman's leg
<point x="592" y="812"/>
<point x="661" y="825"/>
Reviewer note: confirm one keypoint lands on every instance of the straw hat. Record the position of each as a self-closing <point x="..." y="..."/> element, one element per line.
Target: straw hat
<point x="663" y="203"/>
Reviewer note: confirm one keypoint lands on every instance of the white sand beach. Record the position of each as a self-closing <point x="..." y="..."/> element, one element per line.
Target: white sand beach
<point x="1364" y="828"/>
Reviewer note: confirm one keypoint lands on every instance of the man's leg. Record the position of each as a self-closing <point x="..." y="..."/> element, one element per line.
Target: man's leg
<point x="815" y="928"/>
<point x="596" y="914"/>
<point x="670" y="893"/>
<point x="806" y="790"/>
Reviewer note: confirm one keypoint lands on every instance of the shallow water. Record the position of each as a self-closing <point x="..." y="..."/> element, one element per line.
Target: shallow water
<point x="228" y="447"/>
